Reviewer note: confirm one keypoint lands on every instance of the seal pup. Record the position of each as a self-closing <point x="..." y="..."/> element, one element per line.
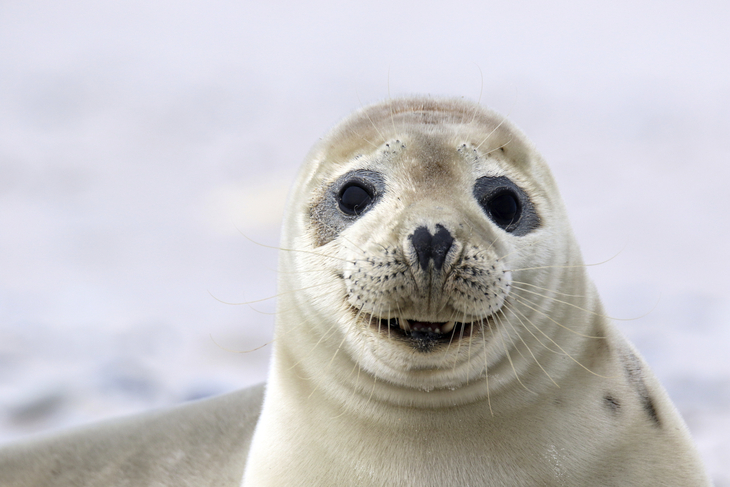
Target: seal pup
<point x="436" y="325"/>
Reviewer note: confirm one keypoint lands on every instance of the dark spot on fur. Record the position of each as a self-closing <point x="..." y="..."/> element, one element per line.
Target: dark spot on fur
<point x="612" y="403"/>
<point x="648" y="405"/>
<point x="635" y="374"/>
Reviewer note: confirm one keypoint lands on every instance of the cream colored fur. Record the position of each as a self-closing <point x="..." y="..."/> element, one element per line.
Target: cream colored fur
<point x="548" y="394"/>
<point x="198" y="444"/>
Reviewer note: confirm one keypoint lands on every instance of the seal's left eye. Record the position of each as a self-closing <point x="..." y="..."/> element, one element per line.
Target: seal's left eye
<point x="506" y="204"/>
<point x="355" y="198"/>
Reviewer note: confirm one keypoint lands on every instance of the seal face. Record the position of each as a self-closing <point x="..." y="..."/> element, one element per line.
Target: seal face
<point x="421" y="230"/>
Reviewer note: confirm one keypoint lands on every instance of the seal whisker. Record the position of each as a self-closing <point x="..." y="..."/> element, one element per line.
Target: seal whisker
<point x="519" y="335"/>
<point x="321" y="338"/>
<point x="342" y="237"/>
<point x="504" y="119"/>
<point x="372" y="390"/>
<point x="468" y="350"/>
<point x="265" y="313"/>
<point x="578" y="307"/>
<point x="363" y="138"/>
<point x="479" y="100"/>
<point x="523" y="283"/>
<point x="486" y="368"/>
<point x="568" y="354"/>
<point x="352" y="393"/>
<point x="514" y="311"/>
<point x="509" y="357"/>
<point x="500" y="147"/>
<point x="316" y="387"/>
<point x="385" y="141"/>
<point x="458" y="346"/>
<point x="571" y="266"/>
<point x="380" y="309"/>
<point x="451" y="338"/>
<point x="270" y="297"/>
<point x="336" y="352"/>
<point x="240" y="351"/>
<point x="515" y="250"/>
<point x="499" y="320"/>
<point x="303" y="251"/>
<point x="526" y="302"/>
<point x="570" y="304"/>
<point x="299" y="272"/>
<point x="390" y="105"/>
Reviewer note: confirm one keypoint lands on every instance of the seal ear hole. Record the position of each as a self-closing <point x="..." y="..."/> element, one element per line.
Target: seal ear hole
<point x="503" y="208"/>
<point x="355" y="197"/>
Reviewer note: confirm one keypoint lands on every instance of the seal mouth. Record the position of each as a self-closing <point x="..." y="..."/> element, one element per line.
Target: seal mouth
<point x="413" y="328"/>
<point x="424" y="336"/>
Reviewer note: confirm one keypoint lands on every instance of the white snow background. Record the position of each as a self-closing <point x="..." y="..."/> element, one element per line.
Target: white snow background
<point x="140" y="139"/>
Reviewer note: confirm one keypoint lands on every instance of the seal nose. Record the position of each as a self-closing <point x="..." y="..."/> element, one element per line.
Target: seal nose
<point x="429" y="246"/>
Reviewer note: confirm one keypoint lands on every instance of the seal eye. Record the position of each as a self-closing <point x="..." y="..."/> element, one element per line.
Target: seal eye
<point x="506" y="204"/>
<point x="355" y="198"/>
<point x="503" y="208"/>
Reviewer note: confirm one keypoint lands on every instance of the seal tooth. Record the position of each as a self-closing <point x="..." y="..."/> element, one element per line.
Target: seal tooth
<point x="447" y="327"/>
<point x="404" y="324"/>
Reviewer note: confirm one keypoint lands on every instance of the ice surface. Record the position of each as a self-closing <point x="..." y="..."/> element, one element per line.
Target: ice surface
<point x="140" y="140"/>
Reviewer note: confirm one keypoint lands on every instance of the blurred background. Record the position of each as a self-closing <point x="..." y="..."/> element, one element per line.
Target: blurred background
<point x="139" y="142"/>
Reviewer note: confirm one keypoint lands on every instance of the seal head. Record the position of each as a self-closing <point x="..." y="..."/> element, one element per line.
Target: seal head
<point x="405" y="225"/>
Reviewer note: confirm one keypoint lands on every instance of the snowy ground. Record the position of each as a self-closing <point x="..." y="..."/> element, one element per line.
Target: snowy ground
<point x="138" y="140"/>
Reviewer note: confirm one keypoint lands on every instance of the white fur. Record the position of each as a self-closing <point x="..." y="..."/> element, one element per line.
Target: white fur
<point x="548" y="394"/>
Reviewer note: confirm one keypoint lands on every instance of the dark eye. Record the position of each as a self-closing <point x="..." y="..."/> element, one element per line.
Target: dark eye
<point x="503" y="208"/>
<point x="355" y="198"/>
<point x="506" y="204"/>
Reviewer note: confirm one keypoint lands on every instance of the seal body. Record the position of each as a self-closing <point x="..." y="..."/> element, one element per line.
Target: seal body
<point x="436" y="326"/>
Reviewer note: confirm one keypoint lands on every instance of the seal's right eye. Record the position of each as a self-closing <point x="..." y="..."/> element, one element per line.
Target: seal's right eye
<point x="355" y="197"/>
<point x="503" y="208"/>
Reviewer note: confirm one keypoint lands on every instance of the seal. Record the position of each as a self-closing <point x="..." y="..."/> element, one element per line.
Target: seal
<point x="435" y="326"/>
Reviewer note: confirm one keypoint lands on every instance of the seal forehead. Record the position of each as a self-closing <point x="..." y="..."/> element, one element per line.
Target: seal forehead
<point x="438" y="148"/>
<point x="428" y="160"/>
<point x="423" y="119"/>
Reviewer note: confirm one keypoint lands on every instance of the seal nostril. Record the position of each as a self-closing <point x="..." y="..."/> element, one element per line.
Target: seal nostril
<point x="440" y="246"/>
<point x="429" y="246"/>
<point x="421" y="240"/>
